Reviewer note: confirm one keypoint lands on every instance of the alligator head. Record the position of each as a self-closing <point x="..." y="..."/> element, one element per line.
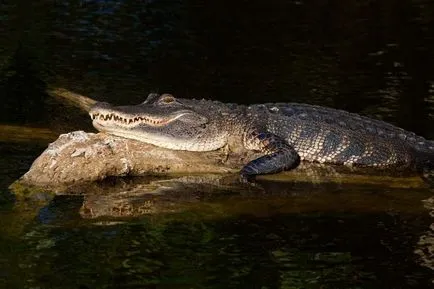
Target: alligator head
<point x="160" y="120"/>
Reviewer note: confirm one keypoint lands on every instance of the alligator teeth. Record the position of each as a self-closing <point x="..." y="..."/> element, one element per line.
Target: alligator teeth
<point x="126" y="120"/>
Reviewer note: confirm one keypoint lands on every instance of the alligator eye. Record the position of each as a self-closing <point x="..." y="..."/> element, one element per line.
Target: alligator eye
<point x="167" y="98"/>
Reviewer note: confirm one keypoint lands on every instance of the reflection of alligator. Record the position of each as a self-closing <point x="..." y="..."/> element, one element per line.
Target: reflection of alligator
<point x="285" y="133"/>
<point x="212" y="195"/>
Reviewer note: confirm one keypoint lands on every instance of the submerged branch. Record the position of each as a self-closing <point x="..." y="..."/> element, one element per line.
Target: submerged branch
<point x="80" y="101"/>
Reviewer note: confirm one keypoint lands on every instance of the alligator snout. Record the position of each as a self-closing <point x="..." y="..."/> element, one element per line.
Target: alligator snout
<point x="99" y="105"/>
<point x="100" y="110"/>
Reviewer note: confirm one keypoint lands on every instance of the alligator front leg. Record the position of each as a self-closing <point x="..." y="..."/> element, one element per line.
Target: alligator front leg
<point x="279" y="154"/>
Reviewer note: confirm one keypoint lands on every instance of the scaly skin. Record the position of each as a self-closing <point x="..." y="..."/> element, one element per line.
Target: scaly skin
<point x="285" y="132"/>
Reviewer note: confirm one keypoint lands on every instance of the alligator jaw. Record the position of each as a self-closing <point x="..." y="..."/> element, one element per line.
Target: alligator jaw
<point x="173" y="127"/>
<point x="122" y="131"/>
<point x="111" y="119"/>
<point x="145" y="130"/>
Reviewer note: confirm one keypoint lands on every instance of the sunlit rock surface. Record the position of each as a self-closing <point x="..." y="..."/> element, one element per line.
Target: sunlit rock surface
<point x="79" y="157"/>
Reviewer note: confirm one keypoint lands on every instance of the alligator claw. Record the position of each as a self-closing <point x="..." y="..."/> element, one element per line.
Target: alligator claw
<point x="247" y="179"/>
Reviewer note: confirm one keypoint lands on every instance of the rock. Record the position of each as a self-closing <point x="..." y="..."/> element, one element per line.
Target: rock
<point x="79" y="157"/>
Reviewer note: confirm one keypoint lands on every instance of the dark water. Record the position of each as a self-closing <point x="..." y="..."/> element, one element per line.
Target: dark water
<point x="372" y="57"/>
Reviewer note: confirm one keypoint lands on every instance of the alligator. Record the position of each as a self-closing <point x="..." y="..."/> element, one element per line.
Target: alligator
<point x="284" y="133"/>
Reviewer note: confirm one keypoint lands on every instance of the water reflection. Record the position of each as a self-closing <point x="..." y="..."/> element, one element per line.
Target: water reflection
<point x="192" y="231"/>
<point x="301" y="236"/>
<point x="425" y="246"/>
<point x="216" y="194"/>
